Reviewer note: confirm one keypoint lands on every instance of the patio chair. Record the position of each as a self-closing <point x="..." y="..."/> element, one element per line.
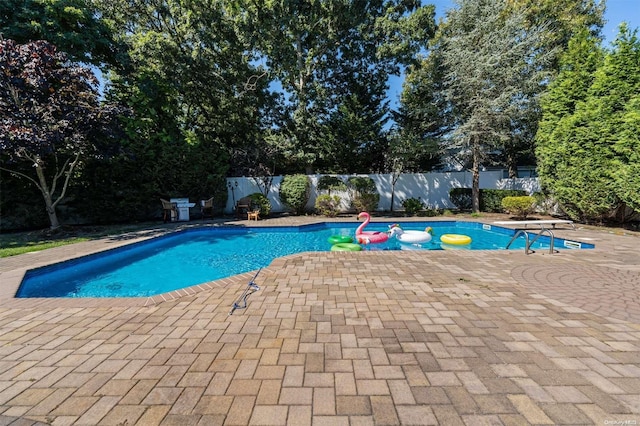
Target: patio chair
<point x="243" y="206"/>
<point x="169" y="210"/>
<point x="206" y="207"/>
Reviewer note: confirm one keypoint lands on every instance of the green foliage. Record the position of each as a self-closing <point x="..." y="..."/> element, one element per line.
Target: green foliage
<point x="491" y="199"/>
<point x="519" y="206"/>
<point x="73" y="26"/>
<point x="50" y="118"/>
<point x="412" y="206"/>
<point x="562" y="19"/>
<point x="362" y="184"/>
<point x="328" y="205"/>
<point x="623" y="100"/>
<point x="190" y="114"/>
<point x="295" y="191"/>
<point x="493" y="72"/>
<point x="423" y="117"/>
<point x="331" y="183"/>
<point x="258" y="200"/>
<point x="365" y="196"/>
<point x="332" y="59"/>
<point x="366" y="202"/>
<point x="20" y="201"/>
<point x="590" y="121"/>
<point x="627" y="148"/>
<point x="461" y="198"/>
<point x="355" y="139"/>
<point x="192" y="80"/>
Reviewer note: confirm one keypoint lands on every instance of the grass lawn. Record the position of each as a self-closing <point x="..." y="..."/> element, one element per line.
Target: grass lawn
<point x="12" y="244"/>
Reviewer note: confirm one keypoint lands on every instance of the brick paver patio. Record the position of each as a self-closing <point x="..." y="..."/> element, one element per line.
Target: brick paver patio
<point x="412" y="338"/>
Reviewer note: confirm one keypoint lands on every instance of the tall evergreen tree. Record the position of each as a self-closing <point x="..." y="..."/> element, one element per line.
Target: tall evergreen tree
<point x="355" y="138"/>
<point x="585" y="148"/>
<point x="552" y="23"/>
<point x="562" y="18"/>
<point x="554" y="149"/>
<point x="627" y="148"/>
<point x="621" y="99"/>
<point x="492" y="69"/>
<point x="423" y="117"/>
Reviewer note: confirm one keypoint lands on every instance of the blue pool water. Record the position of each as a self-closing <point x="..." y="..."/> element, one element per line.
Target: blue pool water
<point x="190" y="257"/>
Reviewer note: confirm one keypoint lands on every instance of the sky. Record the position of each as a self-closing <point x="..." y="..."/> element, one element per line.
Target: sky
<point x="617" y="11"/>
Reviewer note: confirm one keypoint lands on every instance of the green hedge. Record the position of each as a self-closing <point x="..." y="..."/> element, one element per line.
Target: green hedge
<point x="519" y="206"/>
<point x="295" y="191"/>
<point x="461" y="198"/>
<point x="331" y="183"/>
<point x="490" y="199"/>
<point x="366" y="197"/>
<point x="412" y="206"/>
<point x="327" y="205"/>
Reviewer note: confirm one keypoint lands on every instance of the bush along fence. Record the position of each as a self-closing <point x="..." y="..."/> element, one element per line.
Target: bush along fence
<point x="432" y="190"/>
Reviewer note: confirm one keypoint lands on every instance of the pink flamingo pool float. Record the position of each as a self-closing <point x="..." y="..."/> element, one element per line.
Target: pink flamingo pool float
<point x="366" y="237"/>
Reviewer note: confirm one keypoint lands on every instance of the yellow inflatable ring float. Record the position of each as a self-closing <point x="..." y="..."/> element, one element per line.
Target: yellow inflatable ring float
<point x="346" y="247"/>
<point x="455" y="239"/>
<point x="337" y="239"/>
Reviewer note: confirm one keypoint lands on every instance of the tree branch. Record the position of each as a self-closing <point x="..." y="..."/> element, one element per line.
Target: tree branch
<point x="67" y="178"/>
<point x="13" y="172"/>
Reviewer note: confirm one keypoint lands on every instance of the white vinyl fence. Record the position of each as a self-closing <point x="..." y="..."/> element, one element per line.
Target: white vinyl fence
<point x="431" y="188"/>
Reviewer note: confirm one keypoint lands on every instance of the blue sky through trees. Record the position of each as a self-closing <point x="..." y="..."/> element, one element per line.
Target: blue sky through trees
<point x="617" y="11"/>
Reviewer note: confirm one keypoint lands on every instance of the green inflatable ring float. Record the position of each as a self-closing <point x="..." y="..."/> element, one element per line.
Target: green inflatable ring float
<point x="339" y="239"/>
<point x="346" y="247"/>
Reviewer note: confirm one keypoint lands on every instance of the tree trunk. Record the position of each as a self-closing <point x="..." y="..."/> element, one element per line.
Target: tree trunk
<point x="394" y="180"/>
<point x="475" y="187"/>
<point x="512" y="164"/>
<point x="53" y="217"/>
<point x="46" y="193"/>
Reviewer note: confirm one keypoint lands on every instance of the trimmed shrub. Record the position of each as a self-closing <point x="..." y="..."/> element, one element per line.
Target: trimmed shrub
<point x="461" y="198"/>
<point x="331" y="183"/>
<point x="366" y="202"/>
<point x="295" y="191"/>
<point x="327" y="205"/>
<point x="412" y="206"/>
<point x="491" y="199"/>
<point x="519" y="206"/>
<point x="258" y="200"/>
<point x="365" y="197"/>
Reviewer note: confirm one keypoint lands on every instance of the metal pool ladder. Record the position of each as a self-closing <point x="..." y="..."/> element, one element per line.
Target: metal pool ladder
<point x="528" y="244"/>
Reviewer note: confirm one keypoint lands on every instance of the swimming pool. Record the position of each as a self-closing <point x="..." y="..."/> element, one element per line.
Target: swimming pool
<point x="195" y="256"/>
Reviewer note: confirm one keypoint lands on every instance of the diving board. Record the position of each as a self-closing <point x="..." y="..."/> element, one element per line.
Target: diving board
<point x="524" y="223"/>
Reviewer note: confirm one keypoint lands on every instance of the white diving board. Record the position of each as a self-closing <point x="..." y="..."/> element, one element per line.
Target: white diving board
<point x="524" y="223"/>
